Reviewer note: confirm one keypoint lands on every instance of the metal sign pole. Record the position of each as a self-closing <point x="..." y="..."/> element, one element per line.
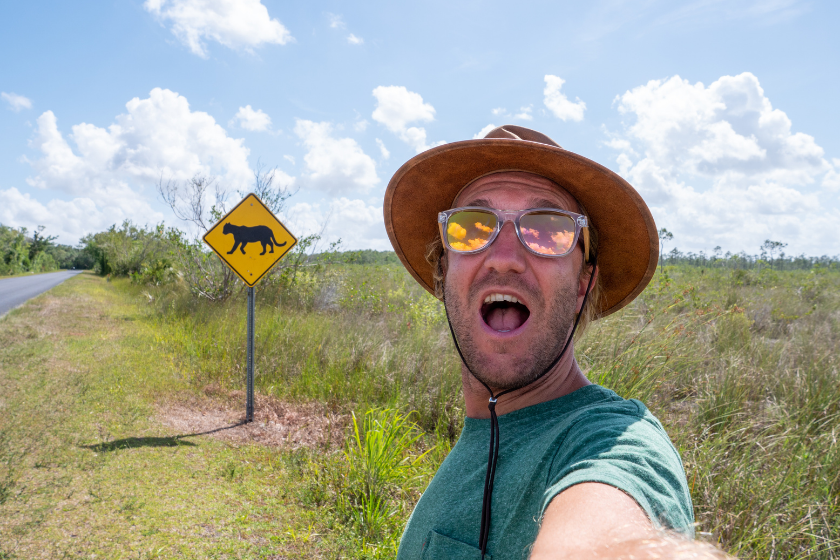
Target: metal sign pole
<point x="249" y="407"/>
<point x="252" y="223"/>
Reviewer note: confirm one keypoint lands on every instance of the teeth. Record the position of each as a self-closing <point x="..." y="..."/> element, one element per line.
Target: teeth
<point x="501" y="297"/>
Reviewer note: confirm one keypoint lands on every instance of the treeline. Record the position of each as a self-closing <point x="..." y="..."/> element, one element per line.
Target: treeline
<point x="160" y="255"/>
<point x="22" y="252"/>
<point x="156" y="255"/>
<point x="771" y="255"/>
<point x="744" y="261"/>
<point x="365" y="256"/>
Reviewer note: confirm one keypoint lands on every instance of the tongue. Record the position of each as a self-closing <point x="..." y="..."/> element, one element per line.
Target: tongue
<point x="505" y="318"/>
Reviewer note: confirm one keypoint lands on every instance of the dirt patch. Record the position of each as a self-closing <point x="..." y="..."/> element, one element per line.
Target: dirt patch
<point x="221" y="414"/>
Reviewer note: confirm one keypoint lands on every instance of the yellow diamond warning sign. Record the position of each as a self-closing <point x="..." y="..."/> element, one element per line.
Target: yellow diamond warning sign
<point x="250" y="239"/>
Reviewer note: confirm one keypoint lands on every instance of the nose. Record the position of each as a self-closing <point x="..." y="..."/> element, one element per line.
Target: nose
<point x="506" y="253"/>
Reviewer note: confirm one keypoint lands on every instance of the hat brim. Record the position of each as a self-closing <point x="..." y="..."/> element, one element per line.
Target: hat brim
<point x="628" y="243"/>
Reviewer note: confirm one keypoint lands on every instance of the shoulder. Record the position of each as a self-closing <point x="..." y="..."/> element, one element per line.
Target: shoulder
<point x="619" y="442"/>
<point x="593" y="413"/>
<point x="613" y="420"/>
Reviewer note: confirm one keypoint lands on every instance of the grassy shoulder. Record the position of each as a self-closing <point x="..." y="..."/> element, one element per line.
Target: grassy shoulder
<point x="86" y="470"/>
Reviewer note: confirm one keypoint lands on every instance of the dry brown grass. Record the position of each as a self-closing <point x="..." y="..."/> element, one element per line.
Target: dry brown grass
<point x="220" y="413"/>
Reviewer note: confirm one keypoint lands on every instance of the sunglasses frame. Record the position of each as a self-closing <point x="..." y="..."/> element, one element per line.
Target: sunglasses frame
<point x="514" y="216"/>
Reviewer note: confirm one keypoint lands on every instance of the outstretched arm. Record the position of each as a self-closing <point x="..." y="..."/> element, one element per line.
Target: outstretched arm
<point x="594" y="520"/>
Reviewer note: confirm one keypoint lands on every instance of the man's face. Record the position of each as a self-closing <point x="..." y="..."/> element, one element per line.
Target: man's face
<point x="507" y="344"/>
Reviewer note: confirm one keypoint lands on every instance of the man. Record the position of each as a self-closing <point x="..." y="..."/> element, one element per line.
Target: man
<point x="525" y="243"/>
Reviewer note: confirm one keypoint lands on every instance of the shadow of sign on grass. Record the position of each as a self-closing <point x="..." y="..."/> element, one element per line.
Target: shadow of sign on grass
<point x="169" y="441"/>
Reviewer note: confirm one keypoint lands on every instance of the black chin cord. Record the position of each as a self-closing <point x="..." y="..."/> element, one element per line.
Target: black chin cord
<point x="493" y="457"/>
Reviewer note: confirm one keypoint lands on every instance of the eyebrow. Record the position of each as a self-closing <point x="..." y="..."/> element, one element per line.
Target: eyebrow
<point x="479" y="202"/>
<point x="533" y="203"/>
<point x="545" y="203"/>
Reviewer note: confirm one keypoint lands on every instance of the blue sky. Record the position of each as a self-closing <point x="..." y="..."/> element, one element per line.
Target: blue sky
<point x="723" y="114"/>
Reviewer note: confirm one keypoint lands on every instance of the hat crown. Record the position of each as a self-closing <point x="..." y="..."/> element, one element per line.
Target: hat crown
<point x="514" y="132"/>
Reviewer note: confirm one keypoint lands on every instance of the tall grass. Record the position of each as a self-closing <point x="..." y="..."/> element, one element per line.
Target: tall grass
<point x="379" y="467"/>
<point x="352" y="339"/>
<point x="741" y="367"/>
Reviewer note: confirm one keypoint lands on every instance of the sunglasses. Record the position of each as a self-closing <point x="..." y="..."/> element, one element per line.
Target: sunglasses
<point x="546" y="232"/>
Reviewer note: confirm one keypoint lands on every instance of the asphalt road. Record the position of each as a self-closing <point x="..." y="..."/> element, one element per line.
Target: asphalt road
<point x="16" y="291"/>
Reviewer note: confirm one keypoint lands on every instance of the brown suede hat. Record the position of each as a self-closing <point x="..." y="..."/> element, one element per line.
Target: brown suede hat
<point x="628" y="243"/>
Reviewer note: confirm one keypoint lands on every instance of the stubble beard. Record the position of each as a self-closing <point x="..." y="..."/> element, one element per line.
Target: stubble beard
<point x="558" y="315"/>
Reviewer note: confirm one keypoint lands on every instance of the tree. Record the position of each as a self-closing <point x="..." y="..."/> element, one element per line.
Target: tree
<point x="205" y="275"/>
<point x="268" y="190"/>
<point x="126" y="250"/>
<point x="40" y="242"/>
<point x="189" y="199"/>
<point x="770" y="247"/>
<point x="664" y="235"/>
<point x="15" y="250"/>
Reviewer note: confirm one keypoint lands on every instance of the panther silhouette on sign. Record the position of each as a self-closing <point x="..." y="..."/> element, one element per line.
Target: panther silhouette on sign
<point x="242" y="235"/>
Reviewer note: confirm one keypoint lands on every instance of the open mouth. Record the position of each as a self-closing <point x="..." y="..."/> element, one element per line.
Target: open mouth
<point x="504" y="313"/>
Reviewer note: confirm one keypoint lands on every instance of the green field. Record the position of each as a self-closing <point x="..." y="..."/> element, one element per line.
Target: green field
<point x="102" y="385"/>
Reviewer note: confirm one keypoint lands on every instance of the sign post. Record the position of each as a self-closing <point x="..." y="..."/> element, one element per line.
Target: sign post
<point x="253" y="226"/>
<point x="249" y="402"/>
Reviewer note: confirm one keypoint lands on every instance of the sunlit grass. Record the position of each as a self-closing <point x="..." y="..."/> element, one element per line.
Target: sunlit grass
<point x="740" y="366"/>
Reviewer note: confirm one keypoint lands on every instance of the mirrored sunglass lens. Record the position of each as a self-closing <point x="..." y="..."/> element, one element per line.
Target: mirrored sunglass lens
<point x="469" y="230"/>
<point x="548" y="234"/>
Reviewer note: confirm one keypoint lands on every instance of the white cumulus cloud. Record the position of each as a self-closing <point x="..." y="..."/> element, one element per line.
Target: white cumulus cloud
<point x="249" y="119"/>
<point x="382" y="149"/>
<point x="236" y="24"/>
<point x="67" y="219"/>
<point x="334" y="165"/>
<point x="110" y="172"/>
<point x="396" y="108"/>
<point x="484" y="131"/>
<point x="558" y="103"/>
<point x="720" y="166"/>
<point x="16" y="102"/>
<point x="354" y="40"/>
<point x="524" y="114"/>
<point x="358" y="224"/>
<point x="159" y="134"/>
<point x="831" y="180"/>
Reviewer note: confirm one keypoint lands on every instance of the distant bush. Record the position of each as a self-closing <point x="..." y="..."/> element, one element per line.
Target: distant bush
<point x="140" y="253"/>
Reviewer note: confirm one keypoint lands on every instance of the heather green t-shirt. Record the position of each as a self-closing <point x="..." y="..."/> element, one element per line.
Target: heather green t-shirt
<point x="591" y="435"/>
